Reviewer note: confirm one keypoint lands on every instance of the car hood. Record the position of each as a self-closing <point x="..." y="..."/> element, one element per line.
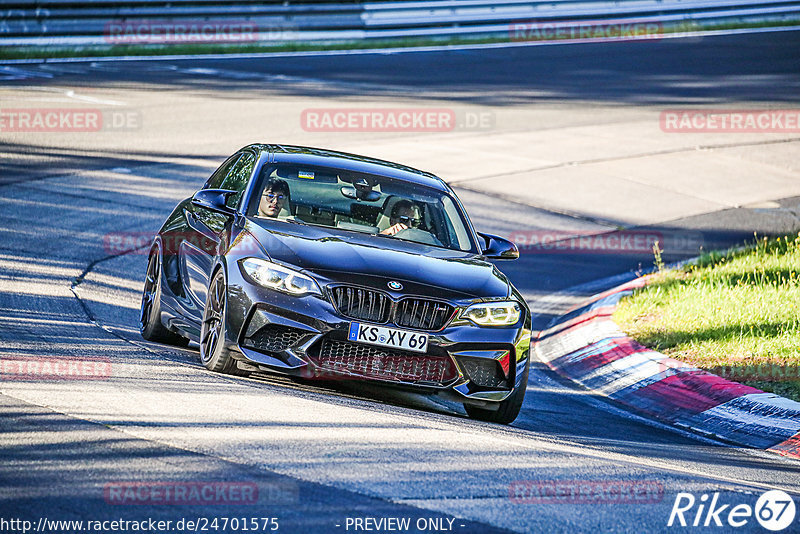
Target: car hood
<point x="364" y="259"/>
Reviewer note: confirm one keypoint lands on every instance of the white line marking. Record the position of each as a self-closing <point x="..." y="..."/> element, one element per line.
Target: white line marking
<point x="69" y="93"/>
<point x="735" y="412"/>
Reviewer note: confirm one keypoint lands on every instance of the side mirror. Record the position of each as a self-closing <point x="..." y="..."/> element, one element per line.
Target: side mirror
<point x="497" y="248"/>
<point x="214" y="200"/>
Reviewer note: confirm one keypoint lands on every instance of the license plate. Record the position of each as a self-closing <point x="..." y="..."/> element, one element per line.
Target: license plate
<point x="388" y="337"/>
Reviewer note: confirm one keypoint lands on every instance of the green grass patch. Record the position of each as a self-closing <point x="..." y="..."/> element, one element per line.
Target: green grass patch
<point x="736" y="314"/>
<point x="20" y="52"/>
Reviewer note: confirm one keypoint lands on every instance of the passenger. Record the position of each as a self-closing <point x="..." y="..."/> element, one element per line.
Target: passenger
<point x="405" y="215"/>
<point x="275" y="197"/>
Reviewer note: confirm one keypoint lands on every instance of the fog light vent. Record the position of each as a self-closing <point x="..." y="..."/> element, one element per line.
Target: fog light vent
<point x="274" y="338"/>
<point x="483" y="372"/>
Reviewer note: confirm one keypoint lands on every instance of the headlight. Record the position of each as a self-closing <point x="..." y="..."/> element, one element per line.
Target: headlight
<point x="279" y="278"/>
<point x="493" y="313"/>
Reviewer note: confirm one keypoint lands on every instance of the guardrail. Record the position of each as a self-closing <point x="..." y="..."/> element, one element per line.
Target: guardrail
<point x="92" y="22"/>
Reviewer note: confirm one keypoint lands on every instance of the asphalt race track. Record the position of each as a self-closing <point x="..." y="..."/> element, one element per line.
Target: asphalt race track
<point x="319" y="454"/>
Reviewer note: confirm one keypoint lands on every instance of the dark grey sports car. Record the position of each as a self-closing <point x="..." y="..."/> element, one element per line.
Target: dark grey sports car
<point x="317" y="263"/>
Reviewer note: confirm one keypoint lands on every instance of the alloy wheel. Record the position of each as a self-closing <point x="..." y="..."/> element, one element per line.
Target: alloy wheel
<point x="150" y="290"/>
<point x="211" y="331"/>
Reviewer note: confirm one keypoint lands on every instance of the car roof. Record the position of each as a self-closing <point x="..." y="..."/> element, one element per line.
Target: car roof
<point x="353" y="162"/>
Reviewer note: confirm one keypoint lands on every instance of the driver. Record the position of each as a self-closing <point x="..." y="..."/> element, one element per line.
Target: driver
<point x="275" y="197"/>
<point x="405" y="215"/>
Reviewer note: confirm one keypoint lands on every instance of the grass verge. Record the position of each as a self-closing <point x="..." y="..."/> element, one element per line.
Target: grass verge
<point x="736" y="314"/>
<point x="91" y="51"/>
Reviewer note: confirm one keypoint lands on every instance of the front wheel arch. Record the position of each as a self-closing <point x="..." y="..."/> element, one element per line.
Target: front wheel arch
<point x="214" y="353"/>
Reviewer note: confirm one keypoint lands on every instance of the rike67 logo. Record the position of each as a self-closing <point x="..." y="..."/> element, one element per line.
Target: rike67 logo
<point x="774" y="510"/>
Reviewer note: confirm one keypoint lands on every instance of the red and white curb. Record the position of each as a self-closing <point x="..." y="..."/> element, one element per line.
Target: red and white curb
<point x="587" y="347"/>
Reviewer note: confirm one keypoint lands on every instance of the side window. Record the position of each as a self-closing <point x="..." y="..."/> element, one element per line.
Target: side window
<point x="238" y="178"/>
<point x="216" y="179"/>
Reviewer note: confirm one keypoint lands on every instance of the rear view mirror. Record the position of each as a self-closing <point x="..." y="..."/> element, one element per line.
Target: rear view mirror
<point x="360" y="194"/>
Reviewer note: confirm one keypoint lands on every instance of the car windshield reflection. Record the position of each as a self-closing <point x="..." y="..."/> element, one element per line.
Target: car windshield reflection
<point x="358" y="202"/>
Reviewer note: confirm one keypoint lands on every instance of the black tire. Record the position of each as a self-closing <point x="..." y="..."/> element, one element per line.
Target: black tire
<point x="509" y="408"/>
<point x="150" y="325"/>
<point x="213" y="352"/>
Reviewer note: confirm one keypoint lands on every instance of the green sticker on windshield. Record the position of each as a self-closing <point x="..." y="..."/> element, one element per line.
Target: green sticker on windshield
<point x="308" y="175"/>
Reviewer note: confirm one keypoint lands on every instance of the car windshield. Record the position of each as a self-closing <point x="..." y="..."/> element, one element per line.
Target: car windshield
<point x="360" y="202"/>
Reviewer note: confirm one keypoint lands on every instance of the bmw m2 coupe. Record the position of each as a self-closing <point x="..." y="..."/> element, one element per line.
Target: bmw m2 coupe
<point x="316" y="263"/>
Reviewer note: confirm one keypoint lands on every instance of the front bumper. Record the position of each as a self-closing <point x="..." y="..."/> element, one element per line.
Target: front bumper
<point x="307" y="337"/>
